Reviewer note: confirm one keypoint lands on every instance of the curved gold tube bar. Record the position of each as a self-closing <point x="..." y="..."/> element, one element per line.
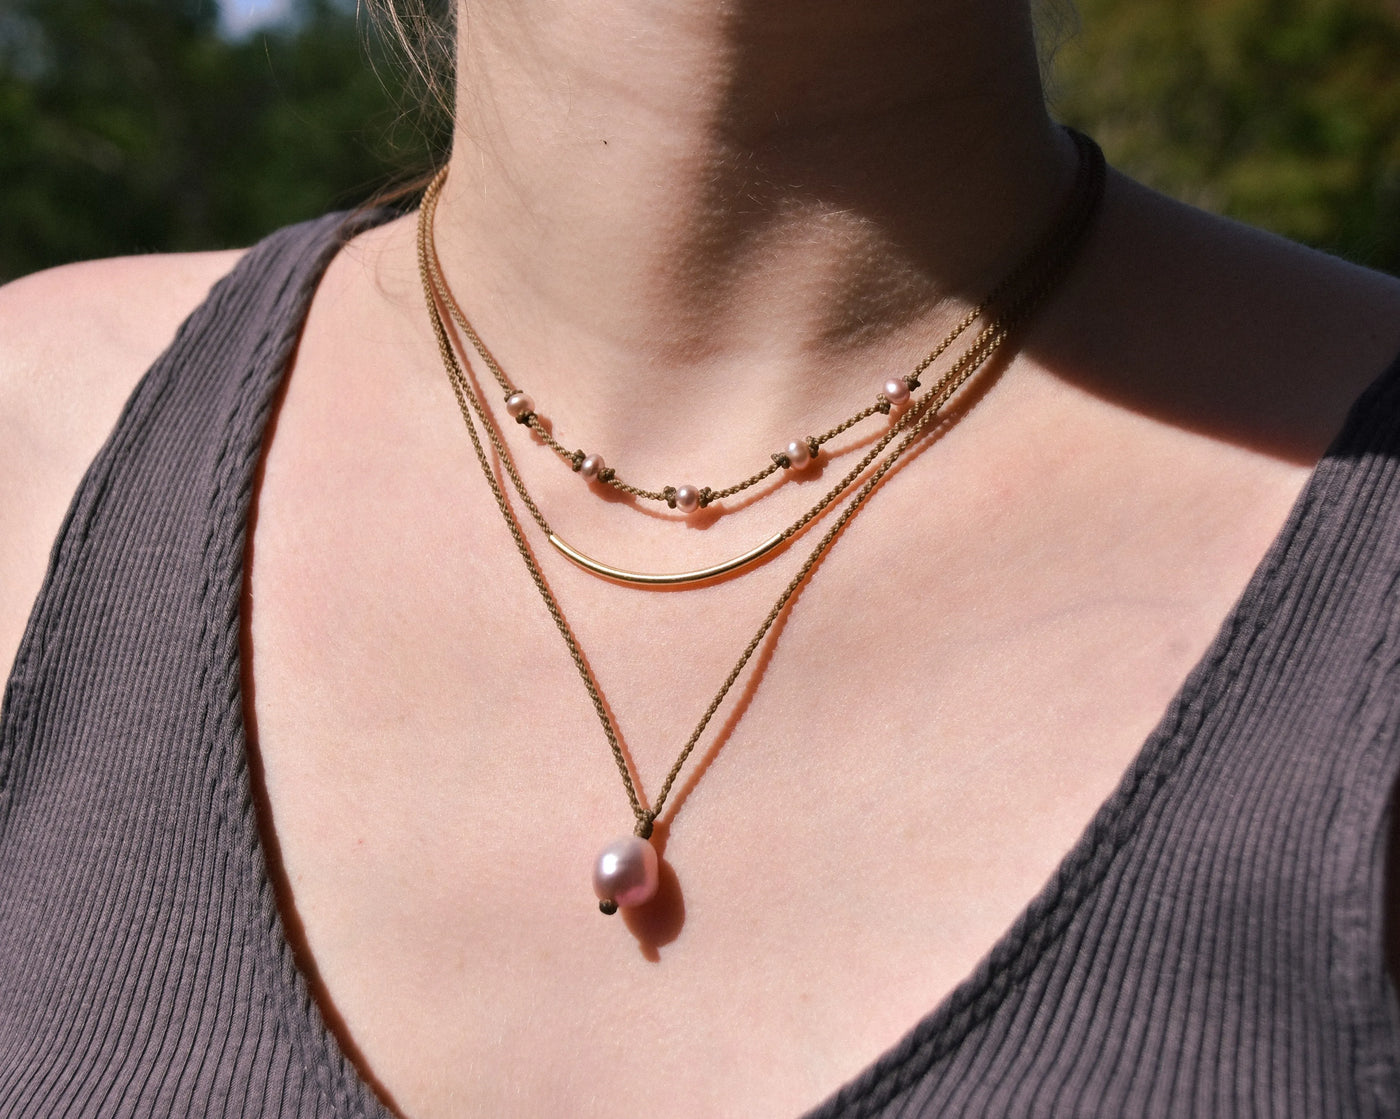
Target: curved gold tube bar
<point x="679" y="578"/>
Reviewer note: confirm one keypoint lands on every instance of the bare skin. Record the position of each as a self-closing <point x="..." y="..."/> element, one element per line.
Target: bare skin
<point x="954" y="694"/>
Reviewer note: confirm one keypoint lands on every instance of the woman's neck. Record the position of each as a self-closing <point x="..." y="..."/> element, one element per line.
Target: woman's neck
<point x="750" y="200"/>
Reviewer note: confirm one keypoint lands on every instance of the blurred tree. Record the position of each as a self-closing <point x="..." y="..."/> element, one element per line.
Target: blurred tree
<point x="1281" y="113"/>
<point x="133" y="125"/>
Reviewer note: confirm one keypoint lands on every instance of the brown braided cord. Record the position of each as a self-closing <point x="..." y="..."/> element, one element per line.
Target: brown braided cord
<point x="1027" y="274"/>
<point x="914" y="423"/>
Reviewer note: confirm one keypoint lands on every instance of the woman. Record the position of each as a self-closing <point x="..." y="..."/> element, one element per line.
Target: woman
<point x="694" y="233"/>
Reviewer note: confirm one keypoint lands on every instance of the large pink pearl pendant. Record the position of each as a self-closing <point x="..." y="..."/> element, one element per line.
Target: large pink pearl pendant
<point x="625" y="874"/>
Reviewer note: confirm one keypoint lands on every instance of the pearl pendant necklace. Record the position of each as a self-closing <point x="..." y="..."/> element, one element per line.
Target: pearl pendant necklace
<point x="627" y="871"/>
<point x="626" y="874"/>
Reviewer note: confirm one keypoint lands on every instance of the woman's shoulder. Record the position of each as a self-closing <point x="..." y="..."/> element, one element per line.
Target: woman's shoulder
<point x="97" y="321"/>
<point x="1223" y="329"/>
<point x="74" y="341"/>
<point x="1269" y="291"/>
<point x="77" y="337"/>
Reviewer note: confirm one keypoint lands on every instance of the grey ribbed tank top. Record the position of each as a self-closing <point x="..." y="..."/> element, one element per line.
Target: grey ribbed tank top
<point x="1212" y="945"/>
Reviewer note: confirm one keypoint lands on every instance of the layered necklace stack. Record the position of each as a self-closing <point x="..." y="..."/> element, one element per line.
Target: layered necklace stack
<point x="626" y="872"/>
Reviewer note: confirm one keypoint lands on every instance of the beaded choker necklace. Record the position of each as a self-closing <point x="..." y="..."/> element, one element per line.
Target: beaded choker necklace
<point x="1012" y="300"/>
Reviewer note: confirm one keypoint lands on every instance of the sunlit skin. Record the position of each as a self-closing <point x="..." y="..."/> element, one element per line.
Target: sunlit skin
<point x="694" y="232"/>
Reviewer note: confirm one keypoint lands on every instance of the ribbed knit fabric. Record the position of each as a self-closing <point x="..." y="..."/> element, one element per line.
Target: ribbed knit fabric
<point x="1212" y="946"/>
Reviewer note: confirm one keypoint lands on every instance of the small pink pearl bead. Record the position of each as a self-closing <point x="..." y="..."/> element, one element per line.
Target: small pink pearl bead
<point x="687" y="499"/>
<point x="896" y="391"/>
<point x="799" y="454"/>
<point x="591" y="465"/>
<point x="626" y="872"/>
<point x="517" y="404"/>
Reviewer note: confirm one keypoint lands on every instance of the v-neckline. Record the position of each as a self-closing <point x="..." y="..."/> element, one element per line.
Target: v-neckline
<point x="1012" y="957"/>
<point x="1014" y="954"/>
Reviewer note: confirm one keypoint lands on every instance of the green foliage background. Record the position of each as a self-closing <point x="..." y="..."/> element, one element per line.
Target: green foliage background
<point x="1282" y="113"/>
<point x="133" y="125"/>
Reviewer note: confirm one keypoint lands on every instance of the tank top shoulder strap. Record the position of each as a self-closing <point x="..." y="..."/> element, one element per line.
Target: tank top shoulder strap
<point x="134" y="902"/>
<point x="210" y="388"/>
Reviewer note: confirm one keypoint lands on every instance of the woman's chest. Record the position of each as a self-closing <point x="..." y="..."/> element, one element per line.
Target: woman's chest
<point x="915" y="747"/>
